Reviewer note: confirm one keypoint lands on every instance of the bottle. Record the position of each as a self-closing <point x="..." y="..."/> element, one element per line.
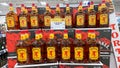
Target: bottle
<point x="23" y="21"/>
<point x="12" y="19"/>
<point x="68" y="17"/>
<point x="21" y="50"/>
<point x="47" y="17"/>
<point x="80" y="17"/>
<point x="28" y="17"/>
<point x="104" y="15"/>
<point x="65" y="48"/>
<point x="38" y="48"/>
<point x="94" y="47"/>
<point x="34" y="21"/>
<point x="79" y="45"/>
<point x="51" y="48"/>
<point x="92" y="16"/>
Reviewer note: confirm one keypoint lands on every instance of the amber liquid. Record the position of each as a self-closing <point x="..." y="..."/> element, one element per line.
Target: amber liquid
<point x="94" y="51"/>
<point x="51" y="51"/>
<point x="68" y="19"/>
<point x="23" y="20"/>
<point x="80" y="19"/>
<point x="38" y="44"/>
<point x="79" y="51"/>
<point x="12" y="20"/>
<point x="66" y="51"/>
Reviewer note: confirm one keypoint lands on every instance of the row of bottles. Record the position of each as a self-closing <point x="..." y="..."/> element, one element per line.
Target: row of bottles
<point x="91" y="18"/>
<point x="40" y="51"/>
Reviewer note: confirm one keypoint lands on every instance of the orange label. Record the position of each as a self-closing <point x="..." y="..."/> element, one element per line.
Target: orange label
<point x="78" y="53"/>
<point x="78" y="36"/>
<point x="22" y="54"/>
<point x="34" y="21"/>
<point x="23" y="22"/>
<point x="10" y="22"/>
<point x="92" y="20"/>
<point x="51" y="53"/>
<point x="36" y="53"/>
<point x="47" y="20"/>
<point x="68" y="20"/>
<point x="65" y="52"/>
<point x="93" y="53"/>
<point x="103" y="19"/>
<point x="80" y="20"/>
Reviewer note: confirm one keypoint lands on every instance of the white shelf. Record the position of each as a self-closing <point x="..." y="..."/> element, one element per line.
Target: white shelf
<point x="3" y="51"/>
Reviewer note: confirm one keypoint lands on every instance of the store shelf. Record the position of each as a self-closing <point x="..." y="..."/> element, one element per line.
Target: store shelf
<point x="5" y="66"/>
<point x="3" y="51"/>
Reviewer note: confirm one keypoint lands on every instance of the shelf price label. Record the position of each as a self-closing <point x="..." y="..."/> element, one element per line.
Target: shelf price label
<point x="58" y="23"/>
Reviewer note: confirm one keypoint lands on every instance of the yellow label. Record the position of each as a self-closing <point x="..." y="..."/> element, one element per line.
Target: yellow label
<point x="10" y="22"/>
<point x="51" y="36"/>
<point x="92" y="20"/>
<point x="38" y="36"/>
<point x="22" y="54"/>
<point x="36" y="53"/>
<point x="93" y="53"/>
<point x="51" y="53"/>
<point x="78" y="53"/>
<point x="89" y="35"/>
<point x="78" y="36"/>
<point x="68" y="20"/>
<point x="34" y="21"/>
<point x="103" y="19"/>
<point x="93" y="35"/>
<point x="23" y="22"/>
<point x="80" y="20"/>
<point x="27" y="35"/>
<point x="65" y="36"/>
<point x="47" y="20"/>
<point x="65" y="52"/>
<point x="22" y="37"/>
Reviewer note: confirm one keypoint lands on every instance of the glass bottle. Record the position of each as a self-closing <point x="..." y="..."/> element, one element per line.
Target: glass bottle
<point x="68" y="17"/>
<point x="51" y="48"/>
<point x="12" y="19"/>
<point x="65" y="48"/>
<point x="34" y="21"/>
<point x="80" y="17"/>
<point x="23" y="19"/>
<point x="79" y="45"/>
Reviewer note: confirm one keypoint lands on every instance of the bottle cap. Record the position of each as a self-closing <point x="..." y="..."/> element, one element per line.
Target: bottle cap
<point x="77" y="31"/>
<point x="51" y="31"/>
<point x="47" y="4"/>
<point x="67" y="5"/>
<point x="57" y="5"/>
<point x="10" y="4"/>
<point x="80" y="3"/>
<point x="91" y="2"/>
<point x="33" y="4"/>
<point x="22" y="5"/>
<point x="65" y="31"/>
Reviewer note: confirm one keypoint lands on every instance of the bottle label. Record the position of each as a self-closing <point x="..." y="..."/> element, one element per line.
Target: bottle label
<point x="93" y="53"/>
<point x="34" y="21"/>
<point x="103" y="19"/>
<point x="65" y="52"/>
<point x="51" y="36"/>
<point x="22" y="54"/>
<point x="92" y="35"/>
<point x="66" y="36"/>
<point x="80" y="20"/>
<point x="47" y="20"/>
<point x="26" y="35"/>
<point x="78" y="53"/>
<point x="92" y="19"/>
<point x="22" y="37"/>
<point x="38" y="36"/>
<point x="36" y="53"/>
<point x="51" y="53"/>
<point x="78" y="36"/>
<point x="68" y="20"/>
<point x="23" y="22"/>
<point x="10" y="22"/>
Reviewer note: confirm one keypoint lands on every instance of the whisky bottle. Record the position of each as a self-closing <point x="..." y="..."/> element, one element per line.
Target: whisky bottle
<point x="23" y="18"/>
<point x="80" y="17"/>
<point x="104" y="15"/>
<point x="34" y="21"/>
<point x="38" y="48"/>
<point x="68" y="17"/>
<point x="79" y="45"/>
<point x="47" y="17"/>
<point x="94" y="48"/>
<point x="12" y="19"/>
<point x="51" y="48"/>
<point x="65" y="48"/>
<point x="92" y="23"/>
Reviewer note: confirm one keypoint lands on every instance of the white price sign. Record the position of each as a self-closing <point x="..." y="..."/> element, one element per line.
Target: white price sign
<point x="58" y="23"/>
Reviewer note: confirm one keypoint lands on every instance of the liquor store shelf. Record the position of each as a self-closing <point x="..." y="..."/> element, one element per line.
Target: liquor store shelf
<point x="5" y="66"/>
<point x="51" y="64"/>
<point x="3" y="51"/>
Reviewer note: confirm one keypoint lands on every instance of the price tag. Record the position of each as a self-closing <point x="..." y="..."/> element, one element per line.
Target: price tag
<point x="58" y="23"/>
